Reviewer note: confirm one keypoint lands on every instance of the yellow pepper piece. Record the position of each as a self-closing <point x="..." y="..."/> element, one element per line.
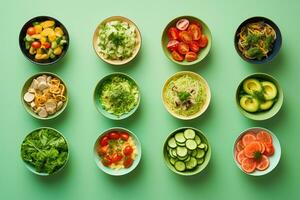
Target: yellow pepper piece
<point x="38" y="29"/>
<point x="52" y="36"/>
<point x="47" y="24"/>
<point x="47" y="31"/>
<point x="43" y="40"/>
<point x="58" y="31"/>
<point x="36" y="36"/>
<point x="57" y="51"/>
<point x="32" y="51"/>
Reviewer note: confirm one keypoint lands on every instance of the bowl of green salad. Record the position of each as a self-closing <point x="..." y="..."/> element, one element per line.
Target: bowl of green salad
<point x="117" y="40"/>
<point x="45" y="151"/>
<point x="117" y="96"/>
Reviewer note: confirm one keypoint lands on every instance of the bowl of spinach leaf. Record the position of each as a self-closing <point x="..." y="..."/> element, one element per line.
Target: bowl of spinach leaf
<point x="45" y="151"/>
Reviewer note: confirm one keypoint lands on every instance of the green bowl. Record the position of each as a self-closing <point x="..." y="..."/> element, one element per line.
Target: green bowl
<point x="32" y="168"/>
<point x="123" y="171"/>
<point x="264" y="114"/>
<point x="203" y="52"/>
<point x="27" y="85"/>
<point x="274" y="160"/>
<point x="97" y="102"/>
<point x="199" y="168"/>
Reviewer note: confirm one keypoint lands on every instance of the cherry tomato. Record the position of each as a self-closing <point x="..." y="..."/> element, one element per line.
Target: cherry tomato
<point x="36" y="44"/>
<point x="47" y="45"/>
<point x="173" y="33"/>
<point x="183" y="48"/>
<point x="104" y="141"/>
<point x="116" y="157"/>
<point x="102" y="150"/>
<point x="182" y="24"/>
<point x="127" y="150"/>
<point x="172" y="45"/>
<point x="176" y="56"/>
<point x="128" y="162"/>
<point x="269" y="151"/>
<point x="106" y="161"/>
<point x="191" y="56"/>
<point x="195" y="31"/>
<point x="124" y="136"/>
<point x="31" y="31"/>
<point x="194" y="46"/>
<point x="197" y="24"/>
<point x="203" y="41"/>
<point x="113" y="135"/>
<point x="185" y="37"/>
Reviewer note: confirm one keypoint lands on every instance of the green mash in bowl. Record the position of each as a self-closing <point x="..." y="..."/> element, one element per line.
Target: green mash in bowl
<point x="186" y="95"/>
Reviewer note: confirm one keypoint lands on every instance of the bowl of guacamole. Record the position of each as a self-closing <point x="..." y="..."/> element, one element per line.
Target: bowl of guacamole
<point x="186" y="95"/>
<point x="117" y="96"/>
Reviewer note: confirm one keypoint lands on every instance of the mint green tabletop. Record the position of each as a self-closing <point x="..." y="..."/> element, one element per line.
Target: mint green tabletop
<point x="81" y="123"/>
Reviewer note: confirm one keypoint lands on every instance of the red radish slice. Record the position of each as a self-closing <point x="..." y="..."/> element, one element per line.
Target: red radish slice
<point x="263" y="147"/>
<point x="172" y="45"/>
<point x="251" y="149"/>
<point x="182" y="24"/>
<point x="248" y="138"/>
<point x="264" y="137"/>
<point x="263" y="163"/>
<point x="270" y="150"/>
<point x="240" y="156"/>
<point x="248" y="165"/>
<point x="239" y="146"/>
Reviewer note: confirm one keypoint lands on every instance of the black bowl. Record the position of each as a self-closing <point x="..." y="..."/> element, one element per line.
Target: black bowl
<point x="276" y="45"/>
<point x="26" y="52"/>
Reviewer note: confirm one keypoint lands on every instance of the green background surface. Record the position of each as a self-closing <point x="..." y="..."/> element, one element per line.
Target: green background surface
<point x="81" y="123"/>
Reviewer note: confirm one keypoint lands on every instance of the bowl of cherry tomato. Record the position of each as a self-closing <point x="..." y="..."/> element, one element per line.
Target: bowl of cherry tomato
<point x="186" y="40"/>
<point x="44" y="40"/>
<point x="117" y="151"/>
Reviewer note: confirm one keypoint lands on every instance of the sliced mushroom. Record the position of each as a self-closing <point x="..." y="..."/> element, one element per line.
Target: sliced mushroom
<point x="43" y="85"/>
<point x="34" y="84"/>
<point x="59" y="105"/>
<point x="49" y="78"/>
<point x="31" y="90"/>
<point x="28" y="97"/>
<point x="43" y="113"/>
<point x="50" y="106"/>
<point x="42" y="78"/>
<point x="32" y="104"/>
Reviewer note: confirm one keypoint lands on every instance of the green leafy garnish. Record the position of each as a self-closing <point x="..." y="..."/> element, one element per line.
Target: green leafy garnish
<point x="257" y="155"/>
<point x="183" y="96"/>
<point x="45" y="149"/>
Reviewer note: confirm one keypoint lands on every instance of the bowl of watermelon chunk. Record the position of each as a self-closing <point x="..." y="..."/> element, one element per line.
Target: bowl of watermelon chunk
<point x="257" y="151"/>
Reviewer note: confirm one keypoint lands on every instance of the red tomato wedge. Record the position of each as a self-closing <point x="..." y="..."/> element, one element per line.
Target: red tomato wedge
<point x="263" y="163"/>
<point x="182" y="24"/>
<point x="203" y="41"/>
<point x="251" y="149"/>
<point x="270" y="150"/>
<point x="173" y="33"/>
<point x="195" y="31"/>
<point x="177" y="56"/>
<point x="191" y="56"/>
<point x="248" y="138"/>
<point x="248" y="165"/>
<point x="239" y="146"/>
<point x="185" y="37"/>
<point x="194" y="46"/>
<point x="183" y="48"/>
<point x="240" y="156"/>
<point x="263" y="147"/>
<point x="172" y="45"/>
<point x="264" y="137"/>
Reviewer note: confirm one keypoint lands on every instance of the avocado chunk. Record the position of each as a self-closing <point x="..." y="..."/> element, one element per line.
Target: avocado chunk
<point x="269" y="90"/>
<point x="252" y="86"/>
<point x="249" y="103"/>
<point x="266" y="105"/>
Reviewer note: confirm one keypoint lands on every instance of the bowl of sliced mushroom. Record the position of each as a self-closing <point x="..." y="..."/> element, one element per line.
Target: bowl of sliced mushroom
<point x="44" y="95"/>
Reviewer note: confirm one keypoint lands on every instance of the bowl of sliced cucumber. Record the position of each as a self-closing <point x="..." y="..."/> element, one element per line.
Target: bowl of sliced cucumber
<point x="186" y="151"/>
<point x="259" y="96"/>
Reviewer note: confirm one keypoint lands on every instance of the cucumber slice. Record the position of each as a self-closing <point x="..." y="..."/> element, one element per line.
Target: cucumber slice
<point x="180" y="144"/>
<point x="189" y="134"/>
<point x="172" y="143"/>
<point x="194" y="152"/>
<point x="203" y="146"/>
<point x="179" y="166"/>
<point x="200" y="153"/>
<point x="172" y="160"/>
<point x="179" y="137"/>
<point x="197" y="140"/>
<point x="174" y="152"/>
<point x="171" y="153"/>
<point x="200" y="161"/>
<point x="187" y="159"/>
<point x="181" y="151"/>
<point x="183" y="158"/>
<point x="191" y="144"/>
<point x="192" y="163"/>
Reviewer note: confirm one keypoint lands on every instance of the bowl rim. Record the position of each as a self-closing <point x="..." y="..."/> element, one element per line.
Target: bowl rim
<point x="138" y="38"/>
<point x="208" y="92"/>
<point x="274" y="137"/>
<point x="273" y="25"/>
<point x="127" y="170"/>
<point x="26" y="107"/>
<point x="207" y="156"/>
<point x="253" y="116"/>
<point x="66" y="47"/>
<point x="31" y="167"/>
<point x="101" y="110"/>
<point x="209" y="45"/>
